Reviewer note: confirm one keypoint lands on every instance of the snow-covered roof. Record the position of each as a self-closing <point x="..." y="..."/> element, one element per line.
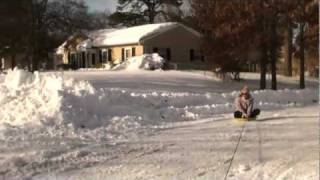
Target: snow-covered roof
<point x="131" y="35"/>
<point x="92" y="36"/>
<point x="61" y="48"/>
<point x="134" y="35"/>
<point x="98" y="33"/>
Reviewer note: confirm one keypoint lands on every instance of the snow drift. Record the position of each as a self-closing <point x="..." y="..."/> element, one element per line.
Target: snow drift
<point x="27" y="98"/>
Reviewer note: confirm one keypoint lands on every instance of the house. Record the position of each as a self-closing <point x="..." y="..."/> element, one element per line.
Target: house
<point x="175" y="42"/>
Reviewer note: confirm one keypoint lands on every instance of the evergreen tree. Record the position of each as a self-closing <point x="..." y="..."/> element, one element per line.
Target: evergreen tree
<point x="125" y="19"/>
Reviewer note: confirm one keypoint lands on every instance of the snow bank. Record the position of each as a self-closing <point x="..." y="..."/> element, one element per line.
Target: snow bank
<point x="17" y="78"/>
<point x="147" y="62"/>
<point x="27" y="98"/>
<point x="50" y="100"/>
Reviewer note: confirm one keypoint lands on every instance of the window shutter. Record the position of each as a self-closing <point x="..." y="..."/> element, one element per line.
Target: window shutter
<point x="109" y="55"/>
<point x="133" y="51"/>
<point x="191" y="54"/>
<point x="168" y="54"/>
<point x="122" y="54"/>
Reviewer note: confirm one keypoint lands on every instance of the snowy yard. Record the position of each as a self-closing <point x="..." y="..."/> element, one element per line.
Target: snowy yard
<point x="153" y="125"/>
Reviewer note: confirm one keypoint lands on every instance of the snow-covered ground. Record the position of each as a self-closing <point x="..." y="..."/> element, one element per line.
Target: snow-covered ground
<point x="153" y="125"/>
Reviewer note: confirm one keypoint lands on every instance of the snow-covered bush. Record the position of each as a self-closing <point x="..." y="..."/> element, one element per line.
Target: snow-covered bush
<point x="147" y="62"/>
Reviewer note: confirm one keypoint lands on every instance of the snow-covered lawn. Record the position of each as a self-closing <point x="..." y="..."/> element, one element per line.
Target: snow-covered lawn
<point x="152" y="125"/>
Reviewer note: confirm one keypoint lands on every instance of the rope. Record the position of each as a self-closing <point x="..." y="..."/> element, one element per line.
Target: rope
<point x="235" y="150"/>
<point x="260" y="175"/>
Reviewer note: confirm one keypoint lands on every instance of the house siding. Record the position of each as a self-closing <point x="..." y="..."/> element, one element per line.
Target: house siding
<point x="179" y="42"/>
<point x="117" y="51"/>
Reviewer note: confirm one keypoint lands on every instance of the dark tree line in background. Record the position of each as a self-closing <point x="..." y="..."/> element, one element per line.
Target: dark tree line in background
<point x="36" y="27"/>
<point x="233" y="28"/>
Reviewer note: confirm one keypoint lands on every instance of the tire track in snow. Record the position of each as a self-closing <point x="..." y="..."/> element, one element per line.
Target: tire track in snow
<point x="80" y="159"/>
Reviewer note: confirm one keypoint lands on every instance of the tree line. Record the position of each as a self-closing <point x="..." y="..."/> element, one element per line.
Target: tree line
<point x="232" y="28"/>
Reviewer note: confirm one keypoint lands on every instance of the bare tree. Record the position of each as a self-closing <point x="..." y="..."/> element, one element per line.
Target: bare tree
<point x="148" y="9"/>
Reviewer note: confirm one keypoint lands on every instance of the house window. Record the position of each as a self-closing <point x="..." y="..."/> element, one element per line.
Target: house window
<point x="155" y="50"/>
<point x="104" y="56"/>
<point x="100" y="56"/>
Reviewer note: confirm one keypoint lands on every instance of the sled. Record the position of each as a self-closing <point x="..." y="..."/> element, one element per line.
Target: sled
<point x="242" y="121"/>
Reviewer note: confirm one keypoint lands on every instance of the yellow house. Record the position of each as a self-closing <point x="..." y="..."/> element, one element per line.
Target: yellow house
<point x="175" y="42"/>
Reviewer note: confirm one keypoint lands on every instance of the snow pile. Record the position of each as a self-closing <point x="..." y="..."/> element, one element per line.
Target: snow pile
<point x="17" y="78"/>
<point x="27" y="98"/>
<point x="147" y="62"/>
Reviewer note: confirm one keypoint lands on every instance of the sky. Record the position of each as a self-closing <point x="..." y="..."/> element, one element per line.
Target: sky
<point x="101" y="5"/>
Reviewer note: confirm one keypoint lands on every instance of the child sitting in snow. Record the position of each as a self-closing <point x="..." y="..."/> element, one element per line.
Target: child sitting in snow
<point x="244" y="105"/>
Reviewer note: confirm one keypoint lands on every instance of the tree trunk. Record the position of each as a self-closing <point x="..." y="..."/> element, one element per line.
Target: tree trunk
<point x="273" y="69"/>
<point x="151" y="17"/>
<point x="264" y="59"/>
<point x="273" y="53"/>
<point x="302" y="82"/>
<point x="273" y="56"/>
<point x="289" y="50"/>
<point x="263" y="69"/>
